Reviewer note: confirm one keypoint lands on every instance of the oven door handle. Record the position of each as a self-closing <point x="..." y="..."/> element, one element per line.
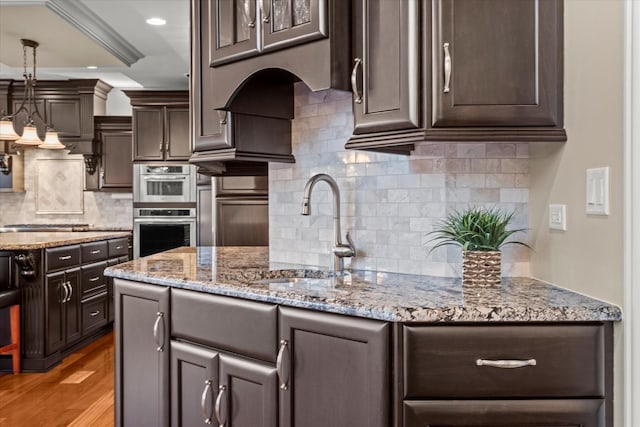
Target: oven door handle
<point x="165" y="220"/>
<point x="164" y="178"/>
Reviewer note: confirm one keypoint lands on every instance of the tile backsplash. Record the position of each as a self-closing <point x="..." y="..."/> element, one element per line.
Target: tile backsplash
<point x="99" y="209"/>
<point x="389" y="202"/>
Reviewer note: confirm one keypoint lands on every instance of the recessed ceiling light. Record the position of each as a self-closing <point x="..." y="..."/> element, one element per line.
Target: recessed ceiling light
<point x="92" y="67"/>
<point x="156" y="21"/>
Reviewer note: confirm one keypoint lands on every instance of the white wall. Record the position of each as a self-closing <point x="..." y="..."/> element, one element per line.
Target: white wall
<point x="588" y="257"/>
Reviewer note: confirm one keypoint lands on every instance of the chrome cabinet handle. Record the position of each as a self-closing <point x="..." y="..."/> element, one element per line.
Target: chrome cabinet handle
<point x="95" y="251"/>
<point x="447" y="67"/>
<point x="94" y="279"/>
<point x="506" y="364"/>
<point x="218" y="409"/>
<point x="70" y="291"/>
<point x="267" y="11"/>
<point x="94" y="313"/>
<point x="203" y="402"/>
<point x="119" y="247"/>
<point x="156" y="327"/>
<point x="66" y="292"/>
<point x="64" y="258"/>
<point x="282" y="375"/>
<point x="161" y="146"/>
<point x="354" y="81"/>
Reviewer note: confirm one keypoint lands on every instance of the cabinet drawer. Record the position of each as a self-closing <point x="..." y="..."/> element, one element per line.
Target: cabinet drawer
<point x="94" y="313"/>
<point x="95" y="251"/>
<point x="455" y="361"/>
<point x="514" y="413"/>
<point x="118" y="247"/>
<point x="240" y="326"/>
<point x="93" y="280"/>
<point x="62" y="257"/>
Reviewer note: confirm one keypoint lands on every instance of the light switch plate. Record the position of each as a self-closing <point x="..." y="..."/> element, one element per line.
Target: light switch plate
<point x="558" y="217"/>
<point x="597" y="191"/>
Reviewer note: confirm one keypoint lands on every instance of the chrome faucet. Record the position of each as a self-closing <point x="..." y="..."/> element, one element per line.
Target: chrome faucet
<point x="340" y="250"/>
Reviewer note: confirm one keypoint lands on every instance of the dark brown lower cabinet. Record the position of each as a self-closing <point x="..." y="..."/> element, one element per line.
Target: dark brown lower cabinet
<point x="512" y="413"/>
<point x="142" y="354"/>
<point x="334" y="370"/>
<point x="208" y="387"/>
<point x="63" y="309"/>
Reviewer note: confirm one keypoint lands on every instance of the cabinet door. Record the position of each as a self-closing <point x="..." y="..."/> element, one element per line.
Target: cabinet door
<point x="233" y="30"/>
<point x="194" y="384"/>
<point x="142" y="354"/>
<point x="148" y="133"/>
<point x="514" y="413"/>
<point x="177" y="133"/>
<point x="334" y="370"/>
<point x="56" y="293"/>
<point x="291" y="22"/>
<point x="247" y="395"/>
<point x="72" y="307"/>
<point x="64" y="116"/>
<point x="497" y="62"/>
<point x="211" y="127"/>
<point x="386" y="80"/>
<point x="117" y="167"/>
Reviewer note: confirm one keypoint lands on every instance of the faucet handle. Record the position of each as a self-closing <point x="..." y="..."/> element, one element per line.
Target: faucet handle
<point x="352" y="245"/>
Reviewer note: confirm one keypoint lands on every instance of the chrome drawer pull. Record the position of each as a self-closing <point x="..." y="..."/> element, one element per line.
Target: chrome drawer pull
<point x="506" y="364"/>
<point x="95" y="251"/>
<point x="218" y="409"/>
<point x="203" y="402"/>
<point x="119" y="247"/>
<point x="156" y="326"/>
<point x="94" y="279"/>
<point x="284" y="380"/>
<point x="94" y="313"/>
<point x="447" y="67"/>
<point x="64" y="258"/>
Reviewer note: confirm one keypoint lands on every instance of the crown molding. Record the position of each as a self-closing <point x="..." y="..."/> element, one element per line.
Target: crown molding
<point x="86" y="21"/>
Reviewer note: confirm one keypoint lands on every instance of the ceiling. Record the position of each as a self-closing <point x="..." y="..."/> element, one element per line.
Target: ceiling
<point x="109" y="34"/>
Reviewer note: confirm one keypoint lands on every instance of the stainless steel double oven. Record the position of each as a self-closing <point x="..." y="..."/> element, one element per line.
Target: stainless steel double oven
<point x="164" y="207"/>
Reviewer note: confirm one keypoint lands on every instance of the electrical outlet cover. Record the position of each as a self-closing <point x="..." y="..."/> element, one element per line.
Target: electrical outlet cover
<point x="558" y="217"/>
<point x="597" y="191"/>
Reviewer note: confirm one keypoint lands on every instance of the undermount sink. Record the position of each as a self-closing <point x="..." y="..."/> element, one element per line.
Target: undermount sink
<point x="306" y="280"/>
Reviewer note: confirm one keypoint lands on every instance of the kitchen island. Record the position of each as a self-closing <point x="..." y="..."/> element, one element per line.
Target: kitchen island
<point x="66" y="301"/>
<point x="204" y="332"/>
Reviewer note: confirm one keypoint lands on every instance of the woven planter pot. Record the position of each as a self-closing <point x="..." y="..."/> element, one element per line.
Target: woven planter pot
<point x="481" y="268"/>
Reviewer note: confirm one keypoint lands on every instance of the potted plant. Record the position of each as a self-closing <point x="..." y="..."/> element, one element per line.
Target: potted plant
<point x="481" y="232"/>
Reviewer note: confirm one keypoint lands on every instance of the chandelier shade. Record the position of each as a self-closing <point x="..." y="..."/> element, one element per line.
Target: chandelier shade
<point x="29" y="137"/>
<point x="51" y="141"/>
<point x="7" y="133"/>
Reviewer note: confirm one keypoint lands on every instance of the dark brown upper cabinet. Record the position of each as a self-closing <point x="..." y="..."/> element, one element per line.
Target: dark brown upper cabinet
<point x="67" y="105"/>
<point x="306" y="40"/>
<point x="242" y="141"/>
<point x="245" y="28"/>
<point x="113" y="133"/>
<point x="468" y="70"/>
<point x="497" y="63"/>
<point x="160" y="125"/>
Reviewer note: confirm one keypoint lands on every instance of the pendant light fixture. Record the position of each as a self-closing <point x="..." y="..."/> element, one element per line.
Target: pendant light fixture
<point x="29" y="136"/>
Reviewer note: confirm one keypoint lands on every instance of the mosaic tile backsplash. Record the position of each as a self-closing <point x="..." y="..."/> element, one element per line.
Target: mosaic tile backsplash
<point x="389" y="202"/>
<point x="99" y="209"/>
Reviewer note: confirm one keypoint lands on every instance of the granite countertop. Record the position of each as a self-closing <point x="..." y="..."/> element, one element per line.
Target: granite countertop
<point x="29" y="240"/>
<point x="245" y="272"/>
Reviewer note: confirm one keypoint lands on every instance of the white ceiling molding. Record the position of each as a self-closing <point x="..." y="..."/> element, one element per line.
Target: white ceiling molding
<point x="81" y="17"/>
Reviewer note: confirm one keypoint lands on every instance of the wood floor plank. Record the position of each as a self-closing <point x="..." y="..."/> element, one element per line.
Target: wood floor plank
<point x="66" y="395"/>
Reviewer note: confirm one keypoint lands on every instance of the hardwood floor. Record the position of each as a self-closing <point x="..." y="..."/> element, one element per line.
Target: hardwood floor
<point x="78" y="392"/>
